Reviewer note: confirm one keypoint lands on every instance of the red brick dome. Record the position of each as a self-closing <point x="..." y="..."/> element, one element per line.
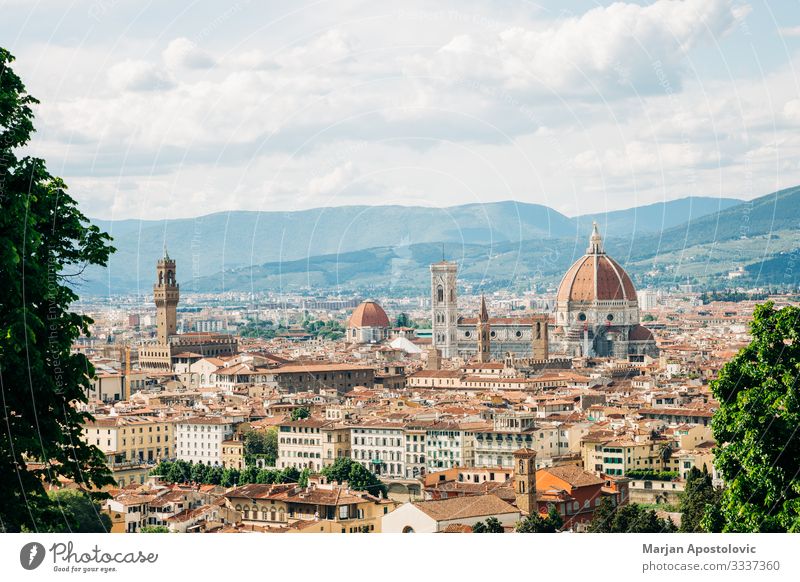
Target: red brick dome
<point x="368" y="314"/>
<point x="596" y="277"/>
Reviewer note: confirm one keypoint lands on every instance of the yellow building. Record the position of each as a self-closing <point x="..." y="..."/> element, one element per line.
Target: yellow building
<point x="139" y="439"/>
<point x="233" y="454"/>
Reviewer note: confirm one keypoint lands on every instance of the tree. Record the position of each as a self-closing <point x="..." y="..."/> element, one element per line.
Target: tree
<point x="535" y="523"/>
<point x="756" y="426"/>
<point x="403" y="320"/>
<point x="199" y="473"/>
<point x="300" y="413"/>
<point x="699" y="495"/>
<point x="357" y="477"/>
<point x="154" y="529"/>
<point x="230" y="477"/>
<point x="288" y="475"/>
<point x="79" y="513"/>
<point x="261" y="444"/>
<point x="45" y="244"/>
<point x="302" y="480"/>
<point x="631" y="518"/>
<point x="492" y="525"/>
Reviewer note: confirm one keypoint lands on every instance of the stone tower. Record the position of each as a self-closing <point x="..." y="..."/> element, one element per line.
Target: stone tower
<point x="444" y="308"/>
<point x="482" y="331"/>
<point x="166" y="295"/>
<point x="540" y="350"/>
<point x="525" y="480"/>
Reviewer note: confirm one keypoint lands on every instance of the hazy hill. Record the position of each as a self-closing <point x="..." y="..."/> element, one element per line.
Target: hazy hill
<point x="654" y="218"/>
<point x="391" y="246"/>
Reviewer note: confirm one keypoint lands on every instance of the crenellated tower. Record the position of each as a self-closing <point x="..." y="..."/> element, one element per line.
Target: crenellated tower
<point x="166" y="295"/>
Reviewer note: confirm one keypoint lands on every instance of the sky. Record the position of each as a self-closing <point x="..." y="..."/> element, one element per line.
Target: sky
<point x="163" y="109"/>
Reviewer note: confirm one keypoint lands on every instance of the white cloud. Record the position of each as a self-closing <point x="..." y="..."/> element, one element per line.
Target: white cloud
<point x="138" y="75"/>
<point x="183" y="53"/>
<point x="618" y="49"/>
<point x="332" y="182"/>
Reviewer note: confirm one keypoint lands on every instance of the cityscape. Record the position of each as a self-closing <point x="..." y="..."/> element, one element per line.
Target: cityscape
<point x="347" y="267"/>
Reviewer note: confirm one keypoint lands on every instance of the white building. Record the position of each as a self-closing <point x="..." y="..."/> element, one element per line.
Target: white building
<point x="199" y="439"/>
<point x="380" y="447"/>
<point x="435" y="516"/>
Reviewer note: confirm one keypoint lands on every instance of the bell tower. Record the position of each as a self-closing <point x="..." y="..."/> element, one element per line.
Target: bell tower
<point x="540" y="348"/>
<point x="525" y="480"/>
<point x="482" y="330"/>
<point x="444" y="308"/>
<point x="166" y="294"/>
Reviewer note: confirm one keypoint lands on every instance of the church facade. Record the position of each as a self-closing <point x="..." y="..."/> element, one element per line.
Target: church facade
<point x="481" y="337"/>
<point x="597" y="311"/>
<point x="597" y="315"/>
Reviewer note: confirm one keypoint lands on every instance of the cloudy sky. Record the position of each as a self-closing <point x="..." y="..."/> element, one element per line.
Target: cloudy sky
<point x="156" y="109"/>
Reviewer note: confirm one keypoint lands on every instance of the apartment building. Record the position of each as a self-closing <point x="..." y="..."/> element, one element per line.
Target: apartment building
<point x="380" y="447"/>
<point x="126" y="439"/>
<point x="199" y="439"/>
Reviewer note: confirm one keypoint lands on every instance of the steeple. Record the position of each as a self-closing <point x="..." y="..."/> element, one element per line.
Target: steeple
<point x="166" y="254"/>
<point x="483" y="314"/>
<point x="595" y="241"/>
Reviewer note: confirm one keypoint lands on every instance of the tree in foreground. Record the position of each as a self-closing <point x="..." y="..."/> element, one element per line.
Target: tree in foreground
<point x="756" y="427"/>
<point x="356" y="476"/>
<point x="80" y="513"/>
<point x="492" y="525"/>
<point x="699" y="497"/>
<point x="45" y="243"/>
<point x="631" y="518"/>
<point x="535" y="523"/>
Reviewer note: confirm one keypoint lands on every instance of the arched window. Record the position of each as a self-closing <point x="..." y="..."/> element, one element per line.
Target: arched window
<point x="408" y="529"/>
<point x="440" y="294"/>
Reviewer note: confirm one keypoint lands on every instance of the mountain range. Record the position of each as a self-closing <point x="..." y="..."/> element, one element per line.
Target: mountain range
<point x="501" y="243"/>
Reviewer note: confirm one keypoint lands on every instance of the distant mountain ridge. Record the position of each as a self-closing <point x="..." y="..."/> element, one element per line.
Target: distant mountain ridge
<point x="233" y="247"/>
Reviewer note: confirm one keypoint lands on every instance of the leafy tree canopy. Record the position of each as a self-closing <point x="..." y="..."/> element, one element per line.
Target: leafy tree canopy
<point x="535" y="523"/>
<point x="631" y="518"/>
<point x="357" y="477"/>
<point x="45" y="243"/>
<point x="756" y="426"/>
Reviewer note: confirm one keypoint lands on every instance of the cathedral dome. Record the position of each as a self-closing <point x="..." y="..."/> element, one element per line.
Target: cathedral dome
<point x="368" y="314"/>
<point x="596" y="277"/>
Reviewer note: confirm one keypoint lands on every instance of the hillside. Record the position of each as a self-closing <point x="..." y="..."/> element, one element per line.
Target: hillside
<point x="498" y="244"/>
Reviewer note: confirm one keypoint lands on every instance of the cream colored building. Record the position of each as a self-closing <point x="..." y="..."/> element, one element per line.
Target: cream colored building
<point x="132" y="438"/>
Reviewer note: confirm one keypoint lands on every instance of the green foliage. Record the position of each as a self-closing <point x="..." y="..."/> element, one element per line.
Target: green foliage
<point x="261" y="445"/>
<point x="302" y="480"/>
<point x="357" y="476"/>
<point x="731" y="295"/>
<point x="403" y="320"/>
<point x="260" y="329"/>
<point x="756" y="425"/>
<point x="648" y="317"/>
<point x="631" y="518"/>
<point x="154" y="529"/>
<point x="331" y="329"/>
<point x="651" y="475"/>
<point x="535" y="523"/>
<point x="45" y="243"/>
<point x="699" y="497"/>
<point x="300" y="413"/>
<point x="79" y="513"/>
<point x="492" y="525"/>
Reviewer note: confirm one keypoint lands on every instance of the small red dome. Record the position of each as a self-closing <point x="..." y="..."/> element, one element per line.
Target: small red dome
<point x="368" y="314"/>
